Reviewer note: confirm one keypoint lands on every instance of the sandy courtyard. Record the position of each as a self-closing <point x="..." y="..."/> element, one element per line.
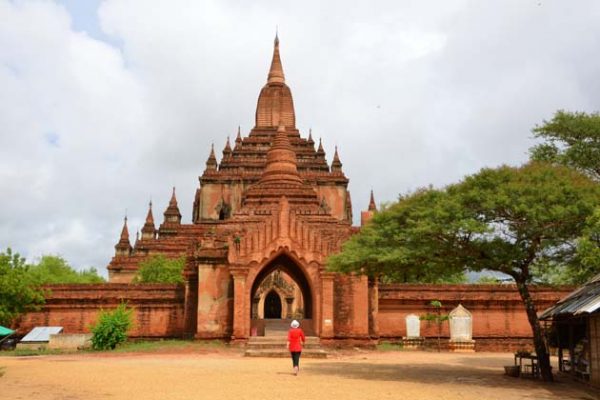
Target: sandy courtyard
<point x="365" y="375"/>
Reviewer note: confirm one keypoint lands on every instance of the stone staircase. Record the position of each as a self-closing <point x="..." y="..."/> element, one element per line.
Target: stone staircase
<point x="275" y="346"/>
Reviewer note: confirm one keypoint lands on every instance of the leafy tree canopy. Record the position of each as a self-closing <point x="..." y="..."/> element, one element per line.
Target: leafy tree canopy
<point x="54" y="269"/>
<point x="160" y="269"/>
<point x="518" y="221"/>
<point x="571" y="139"/>
<point x="18" y="292"/>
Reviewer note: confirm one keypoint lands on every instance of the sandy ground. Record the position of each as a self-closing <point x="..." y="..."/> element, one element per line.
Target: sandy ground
<point x="228" y="375"/>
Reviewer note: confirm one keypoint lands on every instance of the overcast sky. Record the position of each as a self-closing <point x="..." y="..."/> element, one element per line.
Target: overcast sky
<point x="105" y="105"/>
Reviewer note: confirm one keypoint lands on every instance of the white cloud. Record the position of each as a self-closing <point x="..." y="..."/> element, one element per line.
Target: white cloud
<point x="412" y="93"/>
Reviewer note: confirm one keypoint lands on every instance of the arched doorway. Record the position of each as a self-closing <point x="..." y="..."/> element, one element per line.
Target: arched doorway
<point x="272" y="305"/>
<point x="280" y="292"/>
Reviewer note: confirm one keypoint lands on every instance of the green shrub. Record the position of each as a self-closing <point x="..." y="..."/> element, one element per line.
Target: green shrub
<point x="111" y="328"/>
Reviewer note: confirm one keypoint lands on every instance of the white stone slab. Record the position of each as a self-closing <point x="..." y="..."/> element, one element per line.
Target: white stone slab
<point x="413" y="326"/>
<point x="461" y="324"/>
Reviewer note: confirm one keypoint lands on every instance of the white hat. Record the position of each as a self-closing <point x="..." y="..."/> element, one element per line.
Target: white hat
<point x="295" y="324"/>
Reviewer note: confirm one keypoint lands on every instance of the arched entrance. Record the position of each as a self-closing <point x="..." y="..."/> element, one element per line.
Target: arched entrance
<point x="280" y="292"/>
<point x="272" y="305"/>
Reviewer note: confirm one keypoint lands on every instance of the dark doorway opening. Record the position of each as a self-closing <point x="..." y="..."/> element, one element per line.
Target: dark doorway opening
<point x="272" y="305"/>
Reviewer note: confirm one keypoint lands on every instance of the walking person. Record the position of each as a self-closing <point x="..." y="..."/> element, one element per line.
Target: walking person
<point x="294" y="344"/>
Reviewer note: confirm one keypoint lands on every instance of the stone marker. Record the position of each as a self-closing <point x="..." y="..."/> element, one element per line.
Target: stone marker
<point x="413" y="326"/>
<point x="461" y="330"/>
<point x="413" y="339"/>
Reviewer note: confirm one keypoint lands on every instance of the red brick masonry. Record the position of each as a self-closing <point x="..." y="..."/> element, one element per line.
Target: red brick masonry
<point x="499" y="320"/>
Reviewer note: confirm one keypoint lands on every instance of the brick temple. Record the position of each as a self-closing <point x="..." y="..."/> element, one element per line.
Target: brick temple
<point x="264" y="220"/>
<point x="272" y="210"/>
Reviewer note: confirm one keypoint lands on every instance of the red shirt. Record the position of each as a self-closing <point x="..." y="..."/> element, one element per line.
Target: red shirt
<point x="295" y="339"/>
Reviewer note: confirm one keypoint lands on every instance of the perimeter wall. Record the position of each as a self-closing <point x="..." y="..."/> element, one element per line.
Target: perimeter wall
<point x="158" y="308"/>
<point x="499" y="319"/>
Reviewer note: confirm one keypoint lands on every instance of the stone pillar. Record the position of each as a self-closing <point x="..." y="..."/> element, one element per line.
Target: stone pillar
<point x="191" y="306"/>
<point x="290" y="302"/>
<point x="374" y="308"/>
<point x="327" y="328"/>
<point x="254" y="314"/>
<point x="240" y="330"/>
<point x="360" y="306"/>
<point x="207" y="325"/>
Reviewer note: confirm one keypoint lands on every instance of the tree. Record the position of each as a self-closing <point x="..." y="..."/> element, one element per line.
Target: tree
<point x="437" y="318"/>
<point x="160" y="269"/>
<point x="18" y="293"/>
<point x="377" y="252"/>
<point x="571" y="139"/>
<point x="54" y="269"/>
<point x="512" y="220"/>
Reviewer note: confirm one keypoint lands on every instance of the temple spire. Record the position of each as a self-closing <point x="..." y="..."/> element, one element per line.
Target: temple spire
<point x="320" y="150"/>
<point x="211" y="163"/>
<point x="123" y="248"/>
<point x="149" y="229"/>
<point x="276" y="70"/>
<point x="281" y="161"/>
<point x="227" y="149"/>
<point x="336" y="164"/>
<point x="172" y="214"/>
<point x="372" y="205"/>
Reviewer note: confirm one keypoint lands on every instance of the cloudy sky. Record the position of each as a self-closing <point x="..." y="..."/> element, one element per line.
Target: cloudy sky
<point x="105" y="105"/>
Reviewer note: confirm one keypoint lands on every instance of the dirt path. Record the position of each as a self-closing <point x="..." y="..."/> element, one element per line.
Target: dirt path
<point x="369" y="375"/>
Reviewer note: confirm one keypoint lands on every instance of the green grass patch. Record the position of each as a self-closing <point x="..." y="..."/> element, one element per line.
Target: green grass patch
<point x="33" y="352"/>
<point x="155" y="346"/>
<point x="388" y="346"/>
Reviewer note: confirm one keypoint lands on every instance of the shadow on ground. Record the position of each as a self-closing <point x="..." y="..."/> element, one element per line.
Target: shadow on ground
<point x="474" y="371"/>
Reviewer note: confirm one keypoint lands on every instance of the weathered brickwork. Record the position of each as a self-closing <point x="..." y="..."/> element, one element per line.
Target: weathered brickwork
<point x="158" y="309"/>
<point x="498" y="312"/>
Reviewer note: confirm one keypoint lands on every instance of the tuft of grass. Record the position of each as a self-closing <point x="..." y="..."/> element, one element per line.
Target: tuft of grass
<point x="388" y="346"/>
<point x="2" y="371"/>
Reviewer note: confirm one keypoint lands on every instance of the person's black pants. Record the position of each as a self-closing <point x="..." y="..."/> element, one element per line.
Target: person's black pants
<point x="296" y="357"/>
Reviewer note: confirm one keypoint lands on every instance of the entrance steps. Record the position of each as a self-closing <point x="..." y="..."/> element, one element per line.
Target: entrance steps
<point x="275" y="346"/>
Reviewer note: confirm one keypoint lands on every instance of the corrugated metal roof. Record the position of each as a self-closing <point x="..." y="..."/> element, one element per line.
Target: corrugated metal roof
<point x="41" y="333"/>
<point x="585" y="299"/>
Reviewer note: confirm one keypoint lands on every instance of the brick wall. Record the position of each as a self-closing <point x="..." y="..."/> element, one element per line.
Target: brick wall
<point x="498" y="312"/>
<point x="158" y="308"/>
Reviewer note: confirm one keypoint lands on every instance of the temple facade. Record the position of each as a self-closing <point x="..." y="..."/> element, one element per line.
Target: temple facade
<point x="264" y="220"/>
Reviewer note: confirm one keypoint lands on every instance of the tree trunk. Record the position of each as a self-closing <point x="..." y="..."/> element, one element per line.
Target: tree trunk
<point x="538" y="338"/>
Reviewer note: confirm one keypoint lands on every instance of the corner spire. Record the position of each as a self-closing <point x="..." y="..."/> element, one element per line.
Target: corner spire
<point x="211" y="163"/>
<point x="320" y="150"/>
<point x="227" y="149"/>
<point x="372" y="205"/>
<point x="276" y="72"/>
<point x="123" y="247"/>
<point x="336" y="164"/>
<point x="149" y="229"/>
<point x="172" y="214"/>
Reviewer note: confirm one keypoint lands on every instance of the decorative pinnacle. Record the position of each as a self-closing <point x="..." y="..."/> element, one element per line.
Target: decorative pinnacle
<point x="372" y="205"/>
<point x="276" y="71"/>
